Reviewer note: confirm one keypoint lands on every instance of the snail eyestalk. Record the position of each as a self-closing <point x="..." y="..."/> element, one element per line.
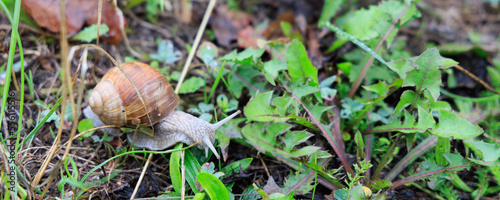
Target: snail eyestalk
<point x="219" y="124"/>
<point x="207" y="142"/>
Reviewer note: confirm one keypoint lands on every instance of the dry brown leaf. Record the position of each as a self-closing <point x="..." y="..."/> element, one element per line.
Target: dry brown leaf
<point x="271" y="187"/>
<point x="227" y="23"/>
<point x="274" y="29"/>
<point x="78" y="13"/>
<point x="248" y="38"/>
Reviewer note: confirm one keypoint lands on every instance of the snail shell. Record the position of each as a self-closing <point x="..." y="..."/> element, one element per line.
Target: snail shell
<point x="116" y="101"/>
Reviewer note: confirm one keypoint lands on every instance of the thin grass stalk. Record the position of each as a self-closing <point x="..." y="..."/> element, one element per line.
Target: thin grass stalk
<point x="196" y="42"/>
<point x="386" y="157"/>
<point x="12" y="51"/>
<point x="141" y="176"/>
<point x="12" y="48"/>
<point x="68" y="85"/>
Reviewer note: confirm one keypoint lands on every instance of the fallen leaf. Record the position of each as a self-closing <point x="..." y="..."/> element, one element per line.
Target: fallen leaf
<point x="313" y="47"/>
<point x="248" y="38"/>
<point x="271" y="187"/>
<point x="78" y="13"/>
<point x="274" y="29"/>
<point x="227" y="23"/>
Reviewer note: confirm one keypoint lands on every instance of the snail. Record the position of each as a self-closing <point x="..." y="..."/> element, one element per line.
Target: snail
<point x="114" y="101"/>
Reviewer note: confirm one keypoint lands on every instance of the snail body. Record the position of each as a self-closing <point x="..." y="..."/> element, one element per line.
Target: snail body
<point x="115" y="101"/>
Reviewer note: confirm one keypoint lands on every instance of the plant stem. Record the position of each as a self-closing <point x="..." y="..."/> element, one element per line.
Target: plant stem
<point x="386" y="157"/>
<point x="420" y="149"/>
<point x="361" y="76"/>
<point x="332" y="143"/>
<point x="413" y="178"/>
<point x="196" y="42"/>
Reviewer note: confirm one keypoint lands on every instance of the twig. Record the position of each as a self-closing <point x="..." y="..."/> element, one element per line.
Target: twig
<point x="196" y="42"/>
<point x="141" y="176"/>
<point x="265" y="166"/>
<point x="475" y="78"/>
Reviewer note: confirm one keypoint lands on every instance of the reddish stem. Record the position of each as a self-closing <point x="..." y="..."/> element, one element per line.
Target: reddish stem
<point x="370" y="60"/>
<point x="404" y="181"/>
<point x="340" y="154"/>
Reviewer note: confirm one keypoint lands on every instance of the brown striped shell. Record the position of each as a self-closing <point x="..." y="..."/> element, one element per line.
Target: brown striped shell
<point x="116" y="102"/>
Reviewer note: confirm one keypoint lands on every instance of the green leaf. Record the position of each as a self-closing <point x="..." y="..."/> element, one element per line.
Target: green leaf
<point x="330" y="7"/>
<point x="255" y="134"/>
<point x="264" y="137"/>
<point x="450" y="125"/>
<point x="299" y="66"/>
<point x="208" y="52"/>
<point x="305" y="151"/>
<point x="349" y="107"/>
<point x="455" y="160"/>
<point x="341" y="194"/>
<point x="175" y="168"/>
<point x="424" y="123"/>
<point x="378" y="184"/>
<point x="443" y="146"/>
<point x="455" y="48"/>
<point x="199" y="196"/>
<point x="300" y="89"/>
<point x="427" y="74"/>
<point x="192" y="169"/>
<point x="281" y="104"/>
<point x="286" y="28"/>
<point x="246" y="75"/>
<point x="394" y="8"/>
<point x="380" y="88"/>
<point x="299" y="183"/>
<point x="231" y="56"/>
<point x="448" y="62"/>
<point x="360" y="145"/>
<point x="318" y="110"/>
<point x="368" y="24"/>
<point x="272" y="68"/>
<point x="231" y="128"/>
<point x="235" y="167"/>
<point x="85" y="124"/>
<point x="23" y="15"/>
<point x="210" y="168"/>
<point x="166" y="53"/>
<point x="249" y="56"/>
<point x="259" y="108"/>
<point x="489" y="152"/>
<point x="88" y="34"/>
<point x="407" y="99"/>
<point x="251" y="53"/>
<point x="326" y="91"/>
<point x="213" y="186"/>
<point x="357" y="192"/>
<point x="191" y="85"/>
<point x="401" y="67"/>
<point x="294" y="138"/>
